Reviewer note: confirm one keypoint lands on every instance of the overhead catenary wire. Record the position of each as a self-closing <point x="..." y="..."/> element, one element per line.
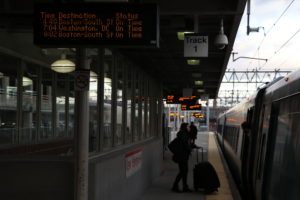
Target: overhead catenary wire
<point x="282" y="46"/>
<point x="270" y="29"/>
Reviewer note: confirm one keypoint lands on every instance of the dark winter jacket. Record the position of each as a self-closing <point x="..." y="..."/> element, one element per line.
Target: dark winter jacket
<point x="193" y="132"/>
<point x="183" y="153"/>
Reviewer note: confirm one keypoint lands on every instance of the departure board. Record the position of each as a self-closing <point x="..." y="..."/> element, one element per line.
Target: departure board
<point x="94" y="24"/>
<point x="191" y="106"/>
<point x="173" y="99"/>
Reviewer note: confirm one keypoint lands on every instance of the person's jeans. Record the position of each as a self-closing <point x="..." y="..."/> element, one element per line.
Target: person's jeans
<point x="183" y="172"/>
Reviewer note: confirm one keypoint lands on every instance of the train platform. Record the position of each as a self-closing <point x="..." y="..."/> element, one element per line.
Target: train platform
<point x="161" y="188"/>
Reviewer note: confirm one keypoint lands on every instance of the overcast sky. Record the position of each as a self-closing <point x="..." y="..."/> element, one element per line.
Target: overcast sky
<point x="265" y="13"/>
<point x="278" y="41"/>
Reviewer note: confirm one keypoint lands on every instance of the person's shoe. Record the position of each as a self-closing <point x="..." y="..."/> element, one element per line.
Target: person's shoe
<point x="187" y="190"/>
<point x="175" y="189"/>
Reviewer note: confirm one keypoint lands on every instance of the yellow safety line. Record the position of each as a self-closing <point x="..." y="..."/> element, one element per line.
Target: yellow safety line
<point x="214" y="158"/>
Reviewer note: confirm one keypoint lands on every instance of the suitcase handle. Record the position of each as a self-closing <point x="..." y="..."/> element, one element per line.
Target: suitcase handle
<point x="201" y="154"/>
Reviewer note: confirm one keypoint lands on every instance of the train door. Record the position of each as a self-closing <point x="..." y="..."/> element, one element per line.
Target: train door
<point x="261" y="148"/>
<point x="245" y="154"/>
<point x="281" y="166"/>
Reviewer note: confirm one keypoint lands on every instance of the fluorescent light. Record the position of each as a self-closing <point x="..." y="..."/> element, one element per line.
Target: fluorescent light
<point x="63" y="65"/>
<point x="200" y="90"/>
<point x="196" y="75"/>
<point x="180" y="35"/>
<point x="198" y="82"/>
<point x="193" y="62"/>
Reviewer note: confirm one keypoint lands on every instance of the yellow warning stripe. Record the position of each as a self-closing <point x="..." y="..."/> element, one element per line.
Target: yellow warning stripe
<point x="214" y="158"/>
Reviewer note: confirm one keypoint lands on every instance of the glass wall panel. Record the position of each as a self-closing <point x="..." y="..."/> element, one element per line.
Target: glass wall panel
<point x="143" y="106"/>
<point x="128" y="131"/>
<point x="8" y="100"/>
<point x="93" y="98"/>
<point x="119" y="114"/>
<point x="61" y="95"/>
<point x="71" y="105"/>
<point x="148" y="97"/>
<point x="29" y="104"/>
<point x="46" y="104"/>
<point x="107" y="127"/>
<point x="136" y="107"/>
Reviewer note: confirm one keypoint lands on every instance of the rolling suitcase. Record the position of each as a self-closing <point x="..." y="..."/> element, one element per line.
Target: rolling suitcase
<point x="205" y="176"/>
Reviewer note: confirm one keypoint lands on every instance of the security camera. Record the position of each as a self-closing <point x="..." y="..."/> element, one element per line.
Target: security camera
<point x="221" y="41"/>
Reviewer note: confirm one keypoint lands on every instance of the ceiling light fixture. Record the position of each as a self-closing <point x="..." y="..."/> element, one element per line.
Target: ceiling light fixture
<point x="63" y="65"/>
<point x="196" y="75"/>
<point x="221" y="39"/>
<point x="200" y="90"/>
<point x="180" y="35"/>
<point x="198" y="82"/>
<point x="193" y="62"/>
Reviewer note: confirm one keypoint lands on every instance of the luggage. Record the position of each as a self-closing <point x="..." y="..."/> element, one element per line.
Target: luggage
<point x="205" y="176"/>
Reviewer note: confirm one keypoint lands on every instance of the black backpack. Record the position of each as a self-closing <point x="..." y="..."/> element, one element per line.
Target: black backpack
<point x="175" y="145"/>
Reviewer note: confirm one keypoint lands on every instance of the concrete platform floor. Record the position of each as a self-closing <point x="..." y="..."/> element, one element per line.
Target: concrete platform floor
<point x="161" y="188"/>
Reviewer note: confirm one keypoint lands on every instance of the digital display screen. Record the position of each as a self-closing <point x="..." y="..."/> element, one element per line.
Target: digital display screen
<point x="173" y="99"/>
<point x="94" y="24"/>
<point x="191" y="106"/>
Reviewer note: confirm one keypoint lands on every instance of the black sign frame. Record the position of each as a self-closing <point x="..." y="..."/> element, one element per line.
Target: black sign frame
<point x="107" y="14"/>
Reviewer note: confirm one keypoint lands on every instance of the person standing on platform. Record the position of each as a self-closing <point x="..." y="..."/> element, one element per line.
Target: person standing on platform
<point x="181" y="157"/>
<point x="193" y="133"/>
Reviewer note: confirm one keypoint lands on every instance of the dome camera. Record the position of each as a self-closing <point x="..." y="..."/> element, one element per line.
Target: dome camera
<point x="221" y="41"/>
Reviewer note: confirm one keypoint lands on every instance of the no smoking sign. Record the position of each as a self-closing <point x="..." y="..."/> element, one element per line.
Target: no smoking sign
<point x="82" y="80"/>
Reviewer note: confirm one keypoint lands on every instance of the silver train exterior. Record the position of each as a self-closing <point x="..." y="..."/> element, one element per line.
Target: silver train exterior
<point x="266" y="162"/>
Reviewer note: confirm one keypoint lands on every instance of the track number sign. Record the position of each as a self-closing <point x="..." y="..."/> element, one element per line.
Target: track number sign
<point x="195" y="45"/>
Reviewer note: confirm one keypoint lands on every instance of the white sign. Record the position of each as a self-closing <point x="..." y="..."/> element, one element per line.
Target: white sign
<point x="195" y="46"/>
<point x="133" y="162"/>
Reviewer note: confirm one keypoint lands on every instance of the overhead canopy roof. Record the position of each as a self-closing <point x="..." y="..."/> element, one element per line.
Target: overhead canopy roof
<point x="168" y="63"/>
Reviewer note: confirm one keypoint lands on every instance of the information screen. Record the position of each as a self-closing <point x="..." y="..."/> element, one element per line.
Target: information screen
<point x="191" y="106"/>
<point x="173" y="99"/>
<point x="93" y="24"/>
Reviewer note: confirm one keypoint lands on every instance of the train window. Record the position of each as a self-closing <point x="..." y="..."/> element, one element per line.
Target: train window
<point x="231" y="135"/>
<point x="8" y="100"/>
<point x="283" y="151"/>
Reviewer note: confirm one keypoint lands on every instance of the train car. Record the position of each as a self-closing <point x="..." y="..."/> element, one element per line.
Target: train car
<point x="266" y="162"/>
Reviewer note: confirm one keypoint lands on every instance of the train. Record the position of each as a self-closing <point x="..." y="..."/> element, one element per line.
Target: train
<point x="265" y="160"/>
